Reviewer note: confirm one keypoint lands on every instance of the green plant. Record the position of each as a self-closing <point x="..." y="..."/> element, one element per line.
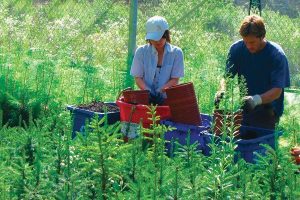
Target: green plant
<point x="274" y="171"/>
<point x="233" y="95"/>
<point x="68" y="52"/>
<point x="156" y="150"/>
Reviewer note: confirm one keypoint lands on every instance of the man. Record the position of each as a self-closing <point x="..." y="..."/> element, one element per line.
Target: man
<point x="264" y="66"/>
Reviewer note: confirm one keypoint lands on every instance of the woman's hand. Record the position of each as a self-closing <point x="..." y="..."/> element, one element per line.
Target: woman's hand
<point x="141" y="83"/>
<point x="170" y="83"/>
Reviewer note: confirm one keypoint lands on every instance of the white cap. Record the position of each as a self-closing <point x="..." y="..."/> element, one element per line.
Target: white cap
<point x="156" y="27"/>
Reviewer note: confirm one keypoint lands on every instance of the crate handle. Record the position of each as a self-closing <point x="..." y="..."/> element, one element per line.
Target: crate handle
<point x="120" y="93"/>
<point x="133" y="108"/>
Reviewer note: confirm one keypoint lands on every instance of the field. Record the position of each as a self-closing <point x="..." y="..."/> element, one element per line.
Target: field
<point x="61" y="52"/>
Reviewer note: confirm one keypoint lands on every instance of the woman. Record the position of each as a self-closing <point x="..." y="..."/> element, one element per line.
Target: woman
<point x="158" y="64"/>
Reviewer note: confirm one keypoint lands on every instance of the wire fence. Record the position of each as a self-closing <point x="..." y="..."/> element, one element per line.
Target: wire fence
<point x="72" y="48"/>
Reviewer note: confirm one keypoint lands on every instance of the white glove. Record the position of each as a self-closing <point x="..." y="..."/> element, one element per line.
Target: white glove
<point x="252" y="101"/>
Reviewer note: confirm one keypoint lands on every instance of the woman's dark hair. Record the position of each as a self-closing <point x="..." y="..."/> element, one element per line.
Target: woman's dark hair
<point x="167" y="36"/>
<point x="253" y="25"/>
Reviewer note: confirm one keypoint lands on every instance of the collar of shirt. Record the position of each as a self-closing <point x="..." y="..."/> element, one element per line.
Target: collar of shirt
<point x="167" y="48"/>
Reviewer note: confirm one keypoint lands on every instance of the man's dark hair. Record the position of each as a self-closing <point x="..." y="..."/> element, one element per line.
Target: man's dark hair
<point x="253" y="25"/>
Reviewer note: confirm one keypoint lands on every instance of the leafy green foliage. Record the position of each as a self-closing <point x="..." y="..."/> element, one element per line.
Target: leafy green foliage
<point x="68" y="52"/>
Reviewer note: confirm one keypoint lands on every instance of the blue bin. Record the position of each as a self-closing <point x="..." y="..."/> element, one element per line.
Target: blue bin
<point x="197" y="134"/>
<point x="247" y="147"/>
<point x="80" y="116"/>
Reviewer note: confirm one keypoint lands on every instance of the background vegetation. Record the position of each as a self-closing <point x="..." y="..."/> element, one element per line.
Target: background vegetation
<point x="54" y="53"/>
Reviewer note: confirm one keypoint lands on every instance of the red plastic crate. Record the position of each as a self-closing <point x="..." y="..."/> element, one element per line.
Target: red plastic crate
<point x="131" y="115"/>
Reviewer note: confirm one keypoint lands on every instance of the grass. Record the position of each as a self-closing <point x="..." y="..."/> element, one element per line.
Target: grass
<point x="70" y="52"/>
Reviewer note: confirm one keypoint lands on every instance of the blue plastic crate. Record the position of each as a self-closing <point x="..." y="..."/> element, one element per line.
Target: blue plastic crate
<point x="80" y="116"/>
<point x="197" y="134"/>
<point x="247" y="147"/>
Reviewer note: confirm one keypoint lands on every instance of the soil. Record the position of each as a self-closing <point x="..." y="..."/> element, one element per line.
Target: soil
<point x="98" y="106"/>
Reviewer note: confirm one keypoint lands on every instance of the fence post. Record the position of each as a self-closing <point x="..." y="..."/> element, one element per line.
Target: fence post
<point x="255" y="6"/>
<point x="131" y="41"/>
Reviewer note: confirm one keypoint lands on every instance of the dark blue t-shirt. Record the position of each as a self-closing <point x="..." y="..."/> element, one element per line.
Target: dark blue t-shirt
<point x="263" y="70"/>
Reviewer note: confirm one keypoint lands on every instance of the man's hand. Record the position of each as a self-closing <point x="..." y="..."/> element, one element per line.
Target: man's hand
<point x="251" y="102"/>
<point x="219" y="95"/>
